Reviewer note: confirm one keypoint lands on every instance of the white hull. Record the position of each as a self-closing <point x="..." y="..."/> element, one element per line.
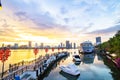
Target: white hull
<point x="71" y="69"/>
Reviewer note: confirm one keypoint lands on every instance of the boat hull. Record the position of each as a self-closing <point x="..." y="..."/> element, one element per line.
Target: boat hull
<point x="70" y="69"/>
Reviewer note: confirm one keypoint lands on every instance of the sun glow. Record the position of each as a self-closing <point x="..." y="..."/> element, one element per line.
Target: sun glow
<point x="27" y="37"/>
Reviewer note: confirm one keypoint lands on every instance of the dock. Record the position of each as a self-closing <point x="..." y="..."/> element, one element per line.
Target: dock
<point x="31" y="70"/>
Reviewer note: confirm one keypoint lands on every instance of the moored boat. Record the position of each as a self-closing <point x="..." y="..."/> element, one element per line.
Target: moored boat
<point x="71" y="69"/>
<point x="76" y="58"/>
<point x="86" y="47"/>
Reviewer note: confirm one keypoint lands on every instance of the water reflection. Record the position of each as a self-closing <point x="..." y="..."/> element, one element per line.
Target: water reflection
<point x="91" y="68"/>
<point x="68" y="76"/>
<point x="88" y="58"/>
<point x="53" y="67"/>
<point x="99" y="57"/>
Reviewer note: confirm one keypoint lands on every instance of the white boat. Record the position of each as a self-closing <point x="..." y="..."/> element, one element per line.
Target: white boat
<point x="76" y="58"/>
<point x="86" y="47"/>
<point x="70" y="69"/>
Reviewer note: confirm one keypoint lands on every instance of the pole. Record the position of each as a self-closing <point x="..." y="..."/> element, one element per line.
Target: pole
<point x="35" y="62"/>
<point x="2" y="70"/>
<point x="3" y="65"/>
<point x="35" y="59"/>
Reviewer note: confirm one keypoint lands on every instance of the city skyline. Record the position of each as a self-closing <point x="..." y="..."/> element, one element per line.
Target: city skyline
<point x="47" y="21"/>
<point x="30" y="45"/>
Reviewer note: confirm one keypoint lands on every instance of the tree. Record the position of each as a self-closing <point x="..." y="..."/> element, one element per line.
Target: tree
<point x="113" y="44"/>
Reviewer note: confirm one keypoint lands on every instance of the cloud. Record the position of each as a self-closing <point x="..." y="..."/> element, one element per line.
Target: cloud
<point x="107" y="30"/>
<point x="43" y="21"/>
<point x="66" y="20"/>
<point x="3" y="25"/>
<point x="85" y="29"/>
<point x="58" y="17"/>
<point x="63" y="10"/>
<point x="21" y="15"/>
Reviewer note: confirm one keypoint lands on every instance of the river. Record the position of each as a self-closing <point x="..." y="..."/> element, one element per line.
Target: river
<point x="90" y="68"/>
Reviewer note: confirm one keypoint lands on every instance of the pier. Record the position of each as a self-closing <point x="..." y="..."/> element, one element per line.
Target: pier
<point x="27" y="70"/>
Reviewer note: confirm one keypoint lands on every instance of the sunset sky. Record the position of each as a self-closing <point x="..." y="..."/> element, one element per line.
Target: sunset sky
<point x="54" y="21"/>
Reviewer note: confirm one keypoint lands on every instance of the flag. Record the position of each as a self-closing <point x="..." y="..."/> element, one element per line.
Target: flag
<point x="0" y="5"/>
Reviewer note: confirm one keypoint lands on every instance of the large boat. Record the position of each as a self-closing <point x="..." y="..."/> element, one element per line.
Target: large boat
<point x="86" y="47"/>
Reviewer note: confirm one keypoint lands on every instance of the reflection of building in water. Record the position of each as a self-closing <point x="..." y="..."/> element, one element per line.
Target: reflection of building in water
<point x="74" y="45"/>
<point x="88" y="58"/>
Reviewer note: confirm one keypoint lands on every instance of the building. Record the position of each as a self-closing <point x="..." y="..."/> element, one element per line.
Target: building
<point x="36" y="45"/>
<point x="29" y="44"/>
<point x="41" y="45"/>
<point x="98" y="40"/>
<point x="67" y="45"/>
<point x="74" y="45"/>
<point x="61" y="44"/>
<point x="16" y="45"/>
<point x="70" y="45"/>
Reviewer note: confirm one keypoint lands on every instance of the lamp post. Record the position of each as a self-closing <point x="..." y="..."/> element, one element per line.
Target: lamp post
<point x="58" y="50"/>
<point x="36" y="52"/>
<point x="46" y="50"/>
<point x="52" y="49"/>
<point x="62" y="48"/>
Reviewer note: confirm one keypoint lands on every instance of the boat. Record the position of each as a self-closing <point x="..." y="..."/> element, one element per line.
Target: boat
<point x="67" y="76"/>
<point x="71" y="69"/>
<point x="76" y="58"/>
<point x="86" y="47"/>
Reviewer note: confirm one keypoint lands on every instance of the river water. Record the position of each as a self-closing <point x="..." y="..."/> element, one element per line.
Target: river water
<point x="91" y="68"/>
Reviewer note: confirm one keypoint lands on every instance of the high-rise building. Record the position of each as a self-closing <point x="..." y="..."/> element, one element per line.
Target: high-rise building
<point x="16" y="45"/>
<point x="74" y="45"/>
<point x="29" y="44"/>
<point x="71" y="45"/>
<point x="36" y="45"/>
<point x="61" y="44"/>
<point x="42" y="46"/>
<point x="98" y="40"/>
<point x="67" y="45"/>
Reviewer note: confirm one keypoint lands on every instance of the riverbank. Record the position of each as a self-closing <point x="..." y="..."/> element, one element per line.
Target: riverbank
<point x="110" y="62"/>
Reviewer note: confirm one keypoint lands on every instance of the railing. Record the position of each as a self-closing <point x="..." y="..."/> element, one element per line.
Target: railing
<point x="20" y="67"/>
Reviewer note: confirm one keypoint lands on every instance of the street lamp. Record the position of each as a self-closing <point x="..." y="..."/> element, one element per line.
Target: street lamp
<point x="52" y="49"/>
<point x="36" y="52"/>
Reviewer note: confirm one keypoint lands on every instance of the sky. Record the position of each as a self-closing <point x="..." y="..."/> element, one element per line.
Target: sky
<point x="55" y="21"/>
